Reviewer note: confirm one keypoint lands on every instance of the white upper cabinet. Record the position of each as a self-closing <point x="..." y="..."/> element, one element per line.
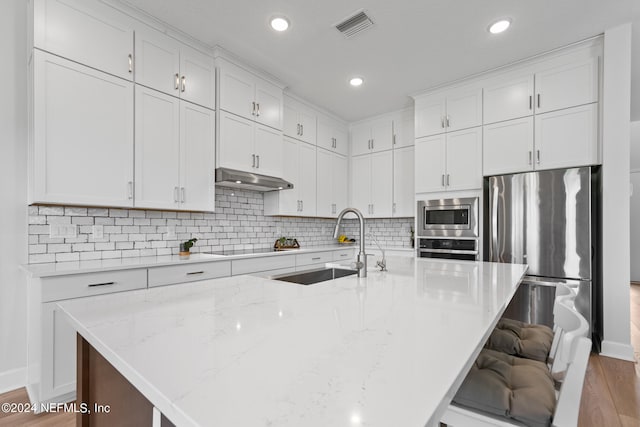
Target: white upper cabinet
<point x="451" y="161"/>
<point x="299" y="121"/>
<point x="403" y="182"/>
<point x="88" y="32"/>
<point x="508" y="97"/>
<point x="299" y="168"/>
<point x="332" y="135"/>
<point x="165" y="64"/>
<point x="372" y="184"/>
<point x="82" y="135"/>
<point x="331" y="184"/>
<point x="403" y="129"/>
<point x="372" y="136"/>
<point x="448" y="112"/>
<point x="251" y="146"/>
<point x="247" y="95"/>
<point x="175" y="153"/>
<point x="508" y="147"/>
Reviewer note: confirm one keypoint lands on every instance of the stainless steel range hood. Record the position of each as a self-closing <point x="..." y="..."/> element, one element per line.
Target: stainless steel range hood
<point x="250" y="181"/>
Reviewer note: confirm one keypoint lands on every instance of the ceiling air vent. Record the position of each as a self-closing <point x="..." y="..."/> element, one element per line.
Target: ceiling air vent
<point x="355" y="24"/>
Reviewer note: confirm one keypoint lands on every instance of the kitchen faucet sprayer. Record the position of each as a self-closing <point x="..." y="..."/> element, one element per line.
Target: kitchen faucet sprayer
<point x="361" y="262"/>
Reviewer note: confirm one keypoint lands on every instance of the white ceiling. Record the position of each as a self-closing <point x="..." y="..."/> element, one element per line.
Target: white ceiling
<point x="415" y="44"/>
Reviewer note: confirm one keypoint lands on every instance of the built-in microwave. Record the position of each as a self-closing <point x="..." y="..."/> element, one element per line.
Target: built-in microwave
<point x="448" y="217"/>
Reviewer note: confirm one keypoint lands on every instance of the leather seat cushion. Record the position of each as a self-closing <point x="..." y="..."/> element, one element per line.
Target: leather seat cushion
<point x="521" y="339"/>
<point x="510" y="387"/>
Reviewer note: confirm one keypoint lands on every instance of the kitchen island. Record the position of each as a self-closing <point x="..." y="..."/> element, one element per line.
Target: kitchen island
<point x="389" y="349"/>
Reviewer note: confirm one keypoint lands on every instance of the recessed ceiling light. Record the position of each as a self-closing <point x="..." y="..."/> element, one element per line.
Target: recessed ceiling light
<point x="356" y="81"/>
<point x="279" y="23"/>
<point x="499" y="26"/>
<point x="238" y="182"/>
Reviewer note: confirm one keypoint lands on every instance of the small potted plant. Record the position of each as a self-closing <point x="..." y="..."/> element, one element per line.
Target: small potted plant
<point x="184" y="248"/>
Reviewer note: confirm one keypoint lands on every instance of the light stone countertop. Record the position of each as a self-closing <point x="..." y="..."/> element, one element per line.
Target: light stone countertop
<point x="93" y="266"/>
<point x="386" y="350"/>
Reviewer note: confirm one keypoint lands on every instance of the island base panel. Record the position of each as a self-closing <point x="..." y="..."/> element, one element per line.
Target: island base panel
<point x="108" y="396"/>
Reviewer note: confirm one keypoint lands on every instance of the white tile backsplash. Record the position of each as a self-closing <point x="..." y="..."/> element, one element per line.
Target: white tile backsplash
<point x="238" y="223"/>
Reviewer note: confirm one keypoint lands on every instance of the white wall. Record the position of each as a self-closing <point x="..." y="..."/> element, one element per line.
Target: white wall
<point x="635" y="201"/>
<point x="615" y="195"/>
<point x="13" y="191"/>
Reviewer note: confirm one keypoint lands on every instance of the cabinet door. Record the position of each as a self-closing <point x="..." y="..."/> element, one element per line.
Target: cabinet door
<point x="567" y="138"/>
<point x="237" y="90"/>
<point x="360" y="139"/>
<point x="288" y="199"/>
<point x="361" y="183"/>
<point x="58" y="354"/>
<point x="268" y="149"/>
<point x="291" y="124"/>
<point x="268" y="99"/>
<point x="340" y="183"/>
<point x="307" y="178"/>
<point x="90" y="33"/>
<point x="508" y="98"/>
<point x="157" y="149"/>
<point x="83" y="135"/>
<point x="382" y="184"/>
<point x="197" y="77"/>
<point x="325" y="134"/>
<point x="464" y="109"/>
<point x="430" y="164"/>
<point x="235" y="148"/>
<point x="508" y="147"/>
<point x="464" y="159"/>
<point x="197" y="157"/>
<point x="403" y="182"/>
<point x="429" y="115"/>
<point x="324" y="185"/>
<point x="567" y="85"/>
<point x="308" y="126"/>
<point x="381" y="135"/>
<point x="403" y="130"/>
<point x="341" y="136"/>
<point x="157" y="61"/>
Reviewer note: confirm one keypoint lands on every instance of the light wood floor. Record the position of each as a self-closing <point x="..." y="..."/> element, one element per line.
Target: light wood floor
<point x="610" y="397"/>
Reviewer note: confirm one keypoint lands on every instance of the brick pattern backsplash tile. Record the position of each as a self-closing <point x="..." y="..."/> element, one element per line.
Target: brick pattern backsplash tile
<point x="238" y="223"/>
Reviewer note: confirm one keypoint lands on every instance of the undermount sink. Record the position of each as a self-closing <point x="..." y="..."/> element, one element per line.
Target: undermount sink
<point x="309" y="277"/>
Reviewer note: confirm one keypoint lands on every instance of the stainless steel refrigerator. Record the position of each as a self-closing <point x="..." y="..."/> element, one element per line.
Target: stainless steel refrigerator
<point x="548" y="220"/>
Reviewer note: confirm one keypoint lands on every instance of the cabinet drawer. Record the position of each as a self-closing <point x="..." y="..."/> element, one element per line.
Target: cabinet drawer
<point x="254" y="265"/>
<point x="344" y="254"/>
<point x="84" y="285"/>
<point x="169" y="275"/>
<point x="313" y="258"/>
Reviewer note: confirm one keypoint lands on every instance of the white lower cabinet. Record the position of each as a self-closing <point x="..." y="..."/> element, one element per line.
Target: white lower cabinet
<point x="82" y="141"/>
<point x="451" y="161"/>
<point x="558" y="139"/>
<point x="160" y="276"/>
<point x="403" y="182"/>
<point x="299" y="168"/>
<point x="51" y="371"/>
<point x="249" y="146"/>
<point x="372" y="184"/>
<point x="331" y="183"/>
<point x="175" y="153"/>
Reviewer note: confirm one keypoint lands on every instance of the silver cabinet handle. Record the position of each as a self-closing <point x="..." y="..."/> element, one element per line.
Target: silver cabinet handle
<point x="443" y="180"/>
<point x="176" y="190"/>
<point x="538" y="100"/>
<point x="448" y="124"/>
<point x="315" y="258"/>
<point x="301" y="129"/>
<point x="182" y="197"/>
<point x="253" y="164"/>
<point x="372" y="143"/>
<point x="530" y="102"/>
<point x="258" y="109"/>
<point x="95" y="285"/>
<point x="257" y="161"/>
<point x="538" y="156"/>
<point x="298" y="129"/>
<point x="191" y="273"/>
<point x="394" y="208"/>
<point x="393" y="139"/>
<point x="253" y="108"/>
<point x="184" y="83"/>
<point x="130" y="63"/>
<point x="130" y="189"/>
<point x="176" y="81"/>
<point x="530" y="156"/>
<point x="442" y="122"/>
<point x="448" y="179"/>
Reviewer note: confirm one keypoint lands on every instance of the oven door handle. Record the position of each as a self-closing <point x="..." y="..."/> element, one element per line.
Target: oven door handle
<point x="449" y="251"/>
